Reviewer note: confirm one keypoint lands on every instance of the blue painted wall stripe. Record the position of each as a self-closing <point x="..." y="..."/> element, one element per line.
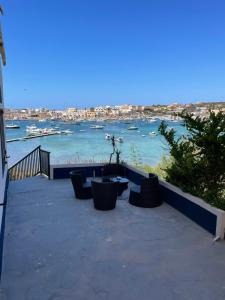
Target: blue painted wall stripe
<point x="198" y="214"/>
<point x="60" y="173"/>
<point x="2" y="232"/>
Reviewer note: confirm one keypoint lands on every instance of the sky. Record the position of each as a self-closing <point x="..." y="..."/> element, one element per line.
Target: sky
<point x="82" y="53"/>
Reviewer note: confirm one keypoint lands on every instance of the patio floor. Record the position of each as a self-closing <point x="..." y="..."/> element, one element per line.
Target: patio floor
<point x="57" y="247"/>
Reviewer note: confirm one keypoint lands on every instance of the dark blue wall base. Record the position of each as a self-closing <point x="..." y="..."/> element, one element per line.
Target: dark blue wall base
<point x="133" y="176"/>
<point x="2" y="232"/>
<point x="60" y="173"/>
<point x="198" y="214"/>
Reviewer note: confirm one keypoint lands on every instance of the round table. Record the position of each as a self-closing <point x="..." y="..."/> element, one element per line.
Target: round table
<point x="122" y="184"/>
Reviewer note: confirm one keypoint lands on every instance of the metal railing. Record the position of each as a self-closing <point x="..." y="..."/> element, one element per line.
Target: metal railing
<point x="45" y="162"/>
<point x="34" y="163"/>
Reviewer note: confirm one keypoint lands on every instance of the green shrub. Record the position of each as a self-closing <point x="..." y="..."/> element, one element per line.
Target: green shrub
<point x="159" y="169"/>
<point x="198" y="158"/>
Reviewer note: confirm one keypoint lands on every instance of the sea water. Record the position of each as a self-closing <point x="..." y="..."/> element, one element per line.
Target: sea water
<point x="89" y="145"/>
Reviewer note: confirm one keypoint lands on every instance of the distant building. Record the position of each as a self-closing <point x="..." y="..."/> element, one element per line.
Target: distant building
<point x="71" y="110"/>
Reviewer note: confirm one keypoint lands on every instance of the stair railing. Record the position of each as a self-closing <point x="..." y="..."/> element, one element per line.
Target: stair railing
<point x="34" y="163"/>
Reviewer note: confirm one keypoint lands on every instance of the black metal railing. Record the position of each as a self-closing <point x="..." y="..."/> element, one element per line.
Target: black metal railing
<point x="34" y="163"/>
<point x="45" y="162"/>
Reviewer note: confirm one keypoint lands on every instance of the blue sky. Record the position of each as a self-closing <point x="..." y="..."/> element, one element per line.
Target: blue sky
<point x="63" y="53"/>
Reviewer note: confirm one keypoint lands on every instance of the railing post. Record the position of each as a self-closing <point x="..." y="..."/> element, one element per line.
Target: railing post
<point x="49" y="165"/>
<point x="40" y="160"/>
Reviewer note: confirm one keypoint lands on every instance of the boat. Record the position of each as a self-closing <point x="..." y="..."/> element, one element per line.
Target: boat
<point x="107" y="136"/>
<point x="12" y="126"/>
<point x="31" y="128"/>
<point x="119" y="139"/>
<point x="132" y="128"/>
<point x="82" y="130"/>
<point x="152" y="133"/>
<point x="42" y="120"/>
<point x="96" y="126"/>
<point x="34" y="130"/>
<point x="67" y="131"/>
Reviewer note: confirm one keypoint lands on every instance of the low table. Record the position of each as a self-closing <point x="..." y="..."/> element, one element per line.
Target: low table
<point x="122" y="184"/>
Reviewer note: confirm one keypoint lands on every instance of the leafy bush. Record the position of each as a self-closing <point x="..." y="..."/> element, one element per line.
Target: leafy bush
<point x="159" y="169"/>
<point x="198" y="158"/>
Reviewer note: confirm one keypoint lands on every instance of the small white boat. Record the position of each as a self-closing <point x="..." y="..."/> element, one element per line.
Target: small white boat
<point x="143" y="135"/>
<point x="96" y="126"/>
<point x="152" y="133"/>
<point x="12" y="126"/>
<point x="42" y="120"/>
<point x="67" y="131"/>
<point x="107" y="136"/>
<point x="34" y="130"/>
<point x="82" y="130"/>
<point x="132" y="128"/>
<point x="119" y="139"/>
<point x="31" y="128"/>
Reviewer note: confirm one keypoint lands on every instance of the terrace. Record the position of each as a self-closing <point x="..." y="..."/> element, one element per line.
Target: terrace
<point x="59" y="247"/>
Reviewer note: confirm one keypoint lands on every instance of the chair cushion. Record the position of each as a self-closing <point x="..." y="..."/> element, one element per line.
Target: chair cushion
<point x="135" y="188"/>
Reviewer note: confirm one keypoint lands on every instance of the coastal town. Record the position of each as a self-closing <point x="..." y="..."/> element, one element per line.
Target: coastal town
<point x="118" y="112"/>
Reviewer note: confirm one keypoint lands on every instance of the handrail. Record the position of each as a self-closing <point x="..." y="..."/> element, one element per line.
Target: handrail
<point x="34" y="163"/>
<point x="25" y="157"/>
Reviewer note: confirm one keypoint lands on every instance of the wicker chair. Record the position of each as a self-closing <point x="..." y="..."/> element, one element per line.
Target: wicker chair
<point x="82" y="190"/>
<point x="104" y="195"/>
<point x="113" y="170"/>
<point x="81" y="172"/>
<point x="147" y="194"/>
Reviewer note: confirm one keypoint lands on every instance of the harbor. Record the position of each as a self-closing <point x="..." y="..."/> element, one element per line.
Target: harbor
<point x="82" y="143"/>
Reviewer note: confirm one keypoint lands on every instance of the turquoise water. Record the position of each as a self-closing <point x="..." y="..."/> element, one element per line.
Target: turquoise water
<point x="90" y="145"/>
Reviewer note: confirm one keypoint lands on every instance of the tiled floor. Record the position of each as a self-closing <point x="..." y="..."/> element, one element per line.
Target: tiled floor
<point x="57" y="247"/>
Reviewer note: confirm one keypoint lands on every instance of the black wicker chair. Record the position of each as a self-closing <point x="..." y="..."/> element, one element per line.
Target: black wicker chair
<point x="81" y="172"/>
<point x="113" y="170"/>
<point x="147" y="194"/>
<point x="104" y="195"/>
<point x="82" y="190"/>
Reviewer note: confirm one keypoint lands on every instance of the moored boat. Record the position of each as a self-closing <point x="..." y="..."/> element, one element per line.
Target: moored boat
<point x="119" y="139"/>
<point x="96" y="126"/>
<point x="152" y="133"/>
<point x="132" y="127"/>
<point x="12" y="126"/>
